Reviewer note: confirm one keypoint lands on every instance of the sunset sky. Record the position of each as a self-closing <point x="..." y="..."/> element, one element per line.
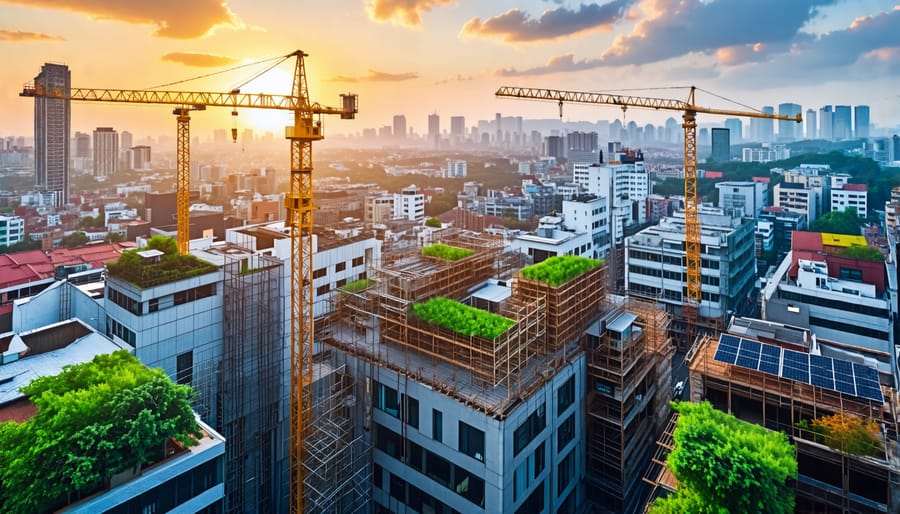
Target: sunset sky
<point x="415" y="57"/>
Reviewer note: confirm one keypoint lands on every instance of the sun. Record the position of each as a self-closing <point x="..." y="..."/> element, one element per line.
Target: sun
<point x="274" y="82"/>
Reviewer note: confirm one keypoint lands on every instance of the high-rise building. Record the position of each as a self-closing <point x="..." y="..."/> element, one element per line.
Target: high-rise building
<point x="52" y="124"/>
<point x="82" y="145"/>
<point x="458" y="128"/>
<point x="861" y="117"/>
<point x="842" y="126"/>
<point x="736" y="129"/>
<point x="434" y="128"/>
<point x="826" y="123"/>
<point x="763" y="130"/>
<point x="789" y="130"/>
<point x="399" y="126"/>
<point x="721" y="145"/>
<point x="126" y="140"/>
<point x="811" y="132"/>
<point x="106" y="151"/>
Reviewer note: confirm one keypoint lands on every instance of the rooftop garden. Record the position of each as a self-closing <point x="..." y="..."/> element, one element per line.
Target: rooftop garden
<point x="93" y="420"/>
<point x="864" y="253"/>
<point x="461" y="318"/>
<point x="558" y="270"/>
<point x="171" y="266"/>
<point x="357" y="285"/>
<point x="446" y="252"/>
<point x="845" y="432"/>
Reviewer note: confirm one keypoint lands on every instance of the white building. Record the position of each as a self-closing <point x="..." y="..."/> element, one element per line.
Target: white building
<point x="626" y="185"/>
<point x="766" y="154"/>
<point x="748" y="198"/>
<point x="854" y="196"/>
<point x="409" y="204"/>
<point x="455" y="169"/>
<point x="551" y="239"/>
<point x="795" y="197"/>
<point x="12" y="230"/>
<point x="589" y="214"/>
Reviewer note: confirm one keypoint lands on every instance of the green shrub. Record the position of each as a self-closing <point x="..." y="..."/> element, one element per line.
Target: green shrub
<point x="558" y="270"/>
<point x="357" y="285"/>
<point x="172" y="265"/>
<point x="462" y="319"/>
<point x="446" y="252"/>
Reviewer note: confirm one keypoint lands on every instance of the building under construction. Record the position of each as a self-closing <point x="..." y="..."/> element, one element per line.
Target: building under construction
<point x="772" y="375"/>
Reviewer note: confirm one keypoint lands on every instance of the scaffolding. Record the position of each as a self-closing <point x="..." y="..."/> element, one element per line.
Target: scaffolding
<point x="337" y="476"/>
<point x="629" y="371"/>
<point x="252" y="378"/>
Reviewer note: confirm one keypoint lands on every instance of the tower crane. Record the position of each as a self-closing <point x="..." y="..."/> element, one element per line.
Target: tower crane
<point x="689" y="109"/>
<point x="299" y="205"/>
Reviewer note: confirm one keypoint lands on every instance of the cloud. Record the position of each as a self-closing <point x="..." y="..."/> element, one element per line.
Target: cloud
<point x="454" y="79"/>
<point x="515" y="25"/>
<point x="402" y="12"/>
<point x="175" y="19"/>
<point x="18" y="35"/>
<point x="558" y="64"/>
<point x="376" y="76"/>
<point x="741" y="54"/>
<point x="199" y="60"/>
<point x="678" y="27"/>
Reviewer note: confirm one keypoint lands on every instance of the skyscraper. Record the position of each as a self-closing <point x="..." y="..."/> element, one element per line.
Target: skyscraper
<point x="434" y="128"/>
<point x="861" y="117"/>
<point x="826" y="123"/>
<point x="82" y="145"/>
<point x="458" y="127"/>
<point x="106" y="151"/>
<point x="789" y="130"/>
<point x="735" y="129"/>
<point x="52" y="124"/>
<point x="126" y="140"/>
<point x="842" y="126"/>
<point x="721" y="145"/>
<point x="811" y="124"/>
<point x="763" y="130"/>
<point x="399" y="126"/>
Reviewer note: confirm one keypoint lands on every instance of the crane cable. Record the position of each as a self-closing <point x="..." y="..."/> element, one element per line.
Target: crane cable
<point x="282" y="59"/>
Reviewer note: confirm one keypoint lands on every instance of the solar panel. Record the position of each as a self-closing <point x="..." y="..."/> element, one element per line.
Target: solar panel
<point x="727" y="350"/>
<point x="795" y="366"/>
<point x="867" y="384"/>
<point x="770" y="359"/>
<point x="748" y="355"/>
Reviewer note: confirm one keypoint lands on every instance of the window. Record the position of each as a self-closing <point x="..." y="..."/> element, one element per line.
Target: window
<point x="340" y="283"/>
<point x="153" y="305"/>
<point x="341" y="266"/>
<point x="322" y="290"/>
<point x="185" y="368"/>
<point x="851" y="274"/>
<point x="196" y="293"/>
<point x="114" y="328"/>
<point x="566" y="432"/>
<point x="411" y="411"/>
<point x="565" y="395"/>
<point x="358" y="261"/>
<point x="377" y="478"/>
<point x="398" y="488"/>
<point x="539" y="458"/>
<point x="319" y="273"/>
<point x="529" y="428"/>
<point x="534" y="503"/>
<point x="437" y="425"/>
<point x="565" y="472"/>
<point x="124" y="301"/>
<point x="471" y="441"/>
<point x="386" y="399"/>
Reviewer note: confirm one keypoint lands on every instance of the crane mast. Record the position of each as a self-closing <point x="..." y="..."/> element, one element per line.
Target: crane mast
<point x="689" y="124"/>
<point x="306" y="129"/>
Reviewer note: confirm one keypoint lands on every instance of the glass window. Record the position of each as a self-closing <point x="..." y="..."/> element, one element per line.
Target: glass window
<point x="529" y="428"/>
<point x="437" y="425"/>
<point x="411" y="414"/>
<point x="565" y="396"/>
<point x="386" y="399"/>
<point x="471" y="441"/>
<point x="185" y="368"/>
<point x="341" y="266"/>
<point x="566" y="432"/>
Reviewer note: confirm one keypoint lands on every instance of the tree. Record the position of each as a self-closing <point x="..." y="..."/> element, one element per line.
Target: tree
<point x="845" y="432"/>
<point x="433" y="223"/>
<point x="838" y="222"/>
<point x="93" y="420"/>
<point x="114" y="237"/>
<point x="74" y="239"/>
<point x="725" y="465"/>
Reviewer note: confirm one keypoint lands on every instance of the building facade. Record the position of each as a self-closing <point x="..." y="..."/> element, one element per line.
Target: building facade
<point x="106" y="151"/>
<point x="52" y="126"/>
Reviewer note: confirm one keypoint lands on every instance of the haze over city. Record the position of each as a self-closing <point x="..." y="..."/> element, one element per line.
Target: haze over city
<point x="415" y="57"/>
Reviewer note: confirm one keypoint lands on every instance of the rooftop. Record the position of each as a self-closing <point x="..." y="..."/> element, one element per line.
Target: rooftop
<point x="29" y="266"/>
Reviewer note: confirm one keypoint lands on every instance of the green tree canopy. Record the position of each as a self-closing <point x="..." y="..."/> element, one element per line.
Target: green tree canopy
<point x="725" y="465"/>
<point x="74" y="239"/>
<point x="94" y="420"/>
<point x="838" y="222"/>
<point x="866" y="253"/>
<point x="433" y="223"/>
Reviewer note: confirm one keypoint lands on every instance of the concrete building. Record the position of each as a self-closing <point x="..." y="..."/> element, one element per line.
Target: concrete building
<point x="766" y="153"/>
<point x="52" y="126"/>
<point x="106" y="151"/>
<point x="764" y="237"/>
<point x="721" y="145"/>
<point x="399" y="127"/>
<point x="826" y="123"/>
<point x="409" y="204"/>
<point x="12" y="230"/>
<point x="735" y="129"/>
<point x="455" y="169"/>
<point x="811" y="126"/>
<point x="139" y="158"/>
<point x="842" y="128"/>
<point x="627" y="185"/>
<point x="434" y="129"/>
<point x="551" y="239"/>
<point x="861" y="121"/>
<point x="795" y="197"/>
<point x="763" y="130"/>
<point x="854" y="196"/>
<point x="378" y="208"/>
<point x="457" y="129"/>
<point x="655" y="257"/>
<point x="784" y="223"/>
<point x="743" y="198"/>
<point x="789" y="130"/>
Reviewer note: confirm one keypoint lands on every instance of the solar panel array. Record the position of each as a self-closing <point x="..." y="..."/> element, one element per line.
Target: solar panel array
<point x="825" y="372"/>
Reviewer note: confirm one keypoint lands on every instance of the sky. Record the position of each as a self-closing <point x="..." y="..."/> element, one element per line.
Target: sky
<point x="416" y="57"/>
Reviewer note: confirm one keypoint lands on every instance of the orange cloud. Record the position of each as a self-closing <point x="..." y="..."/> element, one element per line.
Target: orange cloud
<point x="403" y="12"/>
<point x="173" y="18"/>
<point x="18" y="35"/>
<point x="199" y="60"/>
<point x="376" y="76"/>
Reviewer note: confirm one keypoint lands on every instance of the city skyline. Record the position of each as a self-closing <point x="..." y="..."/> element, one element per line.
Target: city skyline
<point x="810" y="52"/>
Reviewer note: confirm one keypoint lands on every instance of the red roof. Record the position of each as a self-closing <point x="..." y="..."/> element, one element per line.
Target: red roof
<point x="762" y="179"/>
<point x="23" y="267"/>
<point x="712" y="174"/>
<point x="855" y="187"/>
<point x="803" y="240"/>
<point x="773" y="208"/>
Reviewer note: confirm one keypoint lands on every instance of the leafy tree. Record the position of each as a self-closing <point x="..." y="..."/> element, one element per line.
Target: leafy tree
<point x="74" y="239"/>
<point x="441" y="203"/>
<point x="90" y="222"/>
<point x="433" y="223"/>
<point x="94" y="420"/>
<point x="114" y="237"/>
<point x="166" y="245"/>
<point x="838" y="222"/>
<point x="845" y="432"/>
<point x="725" y="465"/>
<point x="22" y="246"/>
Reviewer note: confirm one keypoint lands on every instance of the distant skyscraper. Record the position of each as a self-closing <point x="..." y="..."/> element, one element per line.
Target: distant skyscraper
<point x="434" y="128"/>
<point x="82" y="145"/>
<point x="498" y="125"/>
<point x="861" y="117"/>
<point x="763" y="130"/>
<point x="106" y="151"/>
<point x="458" y="126"/>
<point x="789" y="130"/>
<point x="399" y="126"/>
<point x="52" y="124"/>
<point x="826" y="123"/>
<point x="721" y="145"/>
<point x="735" y="129"/>
<point x="126" y="140"/>
<point x="811" y="124"/>
<point x="842" y="127"/>
<point x="703" y="137"/>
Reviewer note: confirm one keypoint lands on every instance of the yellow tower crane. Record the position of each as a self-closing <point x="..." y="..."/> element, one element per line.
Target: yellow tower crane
<point x="689" y="109"/>
<point x="299" y="204"/>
